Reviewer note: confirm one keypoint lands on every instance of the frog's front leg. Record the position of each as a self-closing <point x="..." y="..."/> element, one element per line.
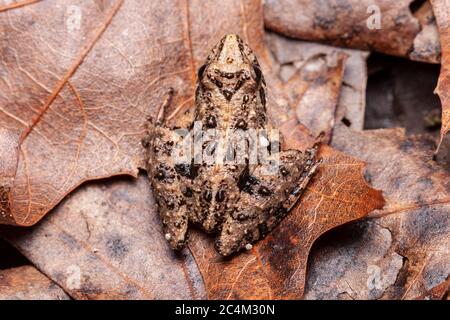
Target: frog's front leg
<point x="265" y="199"/>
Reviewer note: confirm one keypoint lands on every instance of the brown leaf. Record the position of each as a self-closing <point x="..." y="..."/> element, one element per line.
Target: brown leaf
<point x="27" y="283"/>
<point x="400" y="252"/>
<point x="295" y="56"/>
<point x="441" y="9"/>
<point x="345" y="23"/>
<point x="9" y="153"/>
<point x="315" y="106"/>
<point x="427" y="47"/>
<point x="276" y="267"/>
<point x="79" y="92"/>
<point x="105" y="242"/>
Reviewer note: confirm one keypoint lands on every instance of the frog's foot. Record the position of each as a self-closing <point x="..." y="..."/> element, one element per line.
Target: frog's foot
<point x="266" y="200"/>
<point x="175" y="226"/>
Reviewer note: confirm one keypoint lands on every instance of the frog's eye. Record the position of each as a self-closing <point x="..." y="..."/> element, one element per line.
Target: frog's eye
<point x="201" y="71"/>
<point x="258" y="73"/>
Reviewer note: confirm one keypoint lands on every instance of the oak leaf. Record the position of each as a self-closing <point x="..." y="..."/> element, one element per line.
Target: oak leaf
<point x="400" y="251"/>
<point x="441" y="9"/>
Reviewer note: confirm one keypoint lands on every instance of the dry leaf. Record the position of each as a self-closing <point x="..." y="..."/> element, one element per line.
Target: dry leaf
<point x="295" y="55"/>
<point x="427" y="47"/>
<point x="320" y="82"/>
<point x="105" y="242"/>
<point x="353" y="24"/>
<point x="441" y="9"/>
<point x="400" y="252"/>
<point x="27" y="283"/>
<point x="275" y="268"/>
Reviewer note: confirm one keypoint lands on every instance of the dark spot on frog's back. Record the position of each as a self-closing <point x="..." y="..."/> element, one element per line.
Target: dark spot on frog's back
<point x="247" y="181"/>
<point x="228" y="94"/>
<point x="220" y="195"/>
<point x="264" y="191"/>
<point x="183" y="169"/>
<point x="258" y="73"/>
<point x="207" y="195"/>
<point x="116" y="248"/>
<point x="211" y="122"/>
<point x="160" y="174"/>
<point x="241" y="124"/>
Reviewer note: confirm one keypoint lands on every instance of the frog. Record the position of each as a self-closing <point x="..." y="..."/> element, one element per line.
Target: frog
<point x="238" y="202"/>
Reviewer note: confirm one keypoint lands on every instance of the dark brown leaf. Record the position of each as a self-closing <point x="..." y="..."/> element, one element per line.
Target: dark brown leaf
<point x="346" y="23"/>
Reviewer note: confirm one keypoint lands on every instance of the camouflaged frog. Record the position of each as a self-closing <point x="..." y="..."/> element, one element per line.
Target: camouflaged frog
<point x="239" y="202"/>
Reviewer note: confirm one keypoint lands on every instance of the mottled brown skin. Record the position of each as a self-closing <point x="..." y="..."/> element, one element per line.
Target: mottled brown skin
<point x="237" y="201"/>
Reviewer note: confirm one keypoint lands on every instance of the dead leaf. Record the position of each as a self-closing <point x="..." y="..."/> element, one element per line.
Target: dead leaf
<point x="295" y="55"/>
<point x="316" y="102"/>
<point x="353" y="24"/>
<point x="441" y="9"/>
<point x="401" y="251"/>
<point x="105" y="241"/>
<point x="27" y="283"/>
<point x="276" y="267"/>
<point x="9" y="154"/>
<point x="427" y="47"/>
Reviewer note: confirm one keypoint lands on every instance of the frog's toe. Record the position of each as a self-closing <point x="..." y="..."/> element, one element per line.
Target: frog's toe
<point x="236" y="236"/>
<point x="175" y="227"/>
<point x="177" y="240"/>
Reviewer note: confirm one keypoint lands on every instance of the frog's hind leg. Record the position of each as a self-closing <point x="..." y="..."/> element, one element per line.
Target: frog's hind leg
<point x="309" y="170"/>
<point x="170" y="185"/>
<point x="266" y="199"/>
<point x="167" y="178"/>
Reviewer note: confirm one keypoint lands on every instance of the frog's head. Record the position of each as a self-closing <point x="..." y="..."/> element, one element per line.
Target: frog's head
<point x="231" y="67"/>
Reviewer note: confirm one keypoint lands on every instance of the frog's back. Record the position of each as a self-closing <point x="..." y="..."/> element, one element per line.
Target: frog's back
<point x="230" y="99"/>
